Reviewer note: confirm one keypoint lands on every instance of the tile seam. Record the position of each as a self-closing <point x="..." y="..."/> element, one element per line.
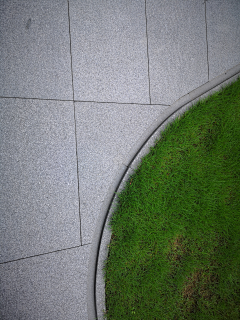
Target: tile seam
<point x="78" y="182"/>
<point x="89" y="101"/>
<point x="130" y="103"/>
<point x="205" y="2"/>
<point x="149" y="82"/>
<point x="32" y="98"/>
<point x="43" y="254"/>
<point x="70" y="46"/>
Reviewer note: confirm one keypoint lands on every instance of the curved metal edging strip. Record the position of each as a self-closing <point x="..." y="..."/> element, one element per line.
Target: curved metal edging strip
<point x="176" y="106"/>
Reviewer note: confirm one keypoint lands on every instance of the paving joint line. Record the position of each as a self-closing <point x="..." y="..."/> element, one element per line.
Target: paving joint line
<point x="149" y="83"/>
<point x="79" y="202"/>
<point x="89" y="101"/>
<point x="70" y="46"/>
<point x="44" y="99"/>
<point x="44" y="254"/>
<point x="205" y="2"/>
<point x="131" y="103"/>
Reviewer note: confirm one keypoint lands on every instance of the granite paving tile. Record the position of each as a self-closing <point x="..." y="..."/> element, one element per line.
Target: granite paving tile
<point x="39" y="208"/>
<point x="49" y="287"/>
<point x="223" y="29"/>
<point x="35" y="57"/>
<point x="109" y="50"/>
<point x="177" y="48"/>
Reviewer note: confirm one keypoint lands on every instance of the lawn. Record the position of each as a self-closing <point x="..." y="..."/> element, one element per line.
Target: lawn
<point x="175" y="245"/>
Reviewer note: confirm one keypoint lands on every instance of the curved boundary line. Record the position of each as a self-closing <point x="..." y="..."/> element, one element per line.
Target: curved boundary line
<point x="134" y="152"/>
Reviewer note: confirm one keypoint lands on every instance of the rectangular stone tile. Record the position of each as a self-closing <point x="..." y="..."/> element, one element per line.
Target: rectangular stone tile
<point x="35" y="49"/>
<point x="49" y="287"/>
<point x="177" y="48"/>
<point x="223" y="30"/>
<point x="39" y="210"/>
<point x="109" y="50"/>
<point x="105" y="134"/>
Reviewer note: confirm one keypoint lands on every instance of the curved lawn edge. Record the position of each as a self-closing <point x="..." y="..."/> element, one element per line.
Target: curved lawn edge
<point x="101" y="238"/>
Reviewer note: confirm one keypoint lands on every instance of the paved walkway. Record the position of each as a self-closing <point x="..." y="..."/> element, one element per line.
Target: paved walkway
<point x="81" y="81"/>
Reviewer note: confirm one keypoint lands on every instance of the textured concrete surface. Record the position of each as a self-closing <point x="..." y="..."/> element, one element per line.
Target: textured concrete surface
<point x="49" y="287"/>
<point x="177" y="48"/>
<point x="38" y="173"/>
<point x="109" y="51"/>
<point x="223" y="31"/>
<point x="35" y="57"/>
<point x="120" y="65"/>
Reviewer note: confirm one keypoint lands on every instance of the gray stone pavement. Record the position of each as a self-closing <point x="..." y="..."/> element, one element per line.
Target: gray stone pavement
<point x="80" y="82"/>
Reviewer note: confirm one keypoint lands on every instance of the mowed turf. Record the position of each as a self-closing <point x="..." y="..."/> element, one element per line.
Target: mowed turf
<point x="175" y="246"/>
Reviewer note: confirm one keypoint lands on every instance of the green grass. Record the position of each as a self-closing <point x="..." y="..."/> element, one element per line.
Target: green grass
<point x="175" y="246"/>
